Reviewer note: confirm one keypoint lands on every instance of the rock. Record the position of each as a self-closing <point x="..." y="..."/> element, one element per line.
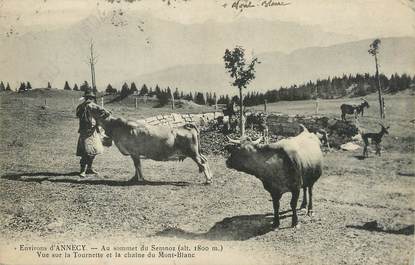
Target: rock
<point x="280" y="126"/>
<point x="56" y="226"/>
<point x="349" y="146"/>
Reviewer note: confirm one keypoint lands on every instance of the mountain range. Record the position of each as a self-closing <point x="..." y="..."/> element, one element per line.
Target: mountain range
<point x="140" y="48"/>
<point x="278" y="69"/>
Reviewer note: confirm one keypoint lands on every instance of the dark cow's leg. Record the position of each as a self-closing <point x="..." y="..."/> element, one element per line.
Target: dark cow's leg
<point x="276" y="204"/>
<point x="304" y="203"/>
<point x="138" y="177"/>
<point x="294" y="200"/>
<point x="310" y="204"/>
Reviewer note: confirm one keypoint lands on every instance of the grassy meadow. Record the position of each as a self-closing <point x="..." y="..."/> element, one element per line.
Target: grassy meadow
<point x="364" y="209"/>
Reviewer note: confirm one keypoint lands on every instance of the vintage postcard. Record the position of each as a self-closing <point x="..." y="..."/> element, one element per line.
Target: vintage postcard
<point x="207" y="132"/>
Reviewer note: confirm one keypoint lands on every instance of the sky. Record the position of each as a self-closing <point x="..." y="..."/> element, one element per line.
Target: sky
<point x="361" y="18"/>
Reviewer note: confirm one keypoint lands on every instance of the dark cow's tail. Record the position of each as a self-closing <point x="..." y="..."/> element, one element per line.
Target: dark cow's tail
<point x="199" y="158"/>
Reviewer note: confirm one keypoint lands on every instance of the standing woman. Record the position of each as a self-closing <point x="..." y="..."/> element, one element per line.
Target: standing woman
<point x="89" y="141"/>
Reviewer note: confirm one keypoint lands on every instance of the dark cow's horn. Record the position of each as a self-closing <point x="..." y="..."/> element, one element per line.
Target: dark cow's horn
<point x="304" y="128"/>
<point x="233" y="141"/>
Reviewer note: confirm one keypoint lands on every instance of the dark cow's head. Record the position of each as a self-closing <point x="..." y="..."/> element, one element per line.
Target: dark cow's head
<point x="243" y="154"/>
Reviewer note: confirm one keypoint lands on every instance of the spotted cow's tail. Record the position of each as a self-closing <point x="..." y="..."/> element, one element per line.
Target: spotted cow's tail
<point x="190" y="126"/>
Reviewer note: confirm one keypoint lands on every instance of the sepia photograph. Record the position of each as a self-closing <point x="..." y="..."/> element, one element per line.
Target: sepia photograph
<point x="201" y="132"/>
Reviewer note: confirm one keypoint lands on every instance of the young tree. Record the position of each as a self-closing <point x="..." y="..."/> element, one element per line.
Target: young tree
<point x="66" y="87"/>
<point x="157" y="90"/>
<point x="8" y="87"/>
<point x="144" y="90"/>
<point x="110" y="89"/>
<point x="22" y="87"/>
<point x="2" y="87"/>
<point x="163" y="98"/>
<point x="75" y="87"/>
<point x="124" y="90"/>
<point x="200" y="99"/>
<point x="176" y="94"/>
<point x="374" y="50"/>
<point x="188" y="97"/>
<point x="84" y="86"/>
<point x="28" y="86"/>
<point x="49" y="85"/>
<point x="242" y="72"/>
<point x="133" y="88"/>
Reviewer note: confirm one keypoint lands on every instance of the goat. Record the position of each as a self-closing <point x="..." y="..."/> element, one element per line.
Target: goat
<point x="354" y="109"/>
<point x="376" y="139"/>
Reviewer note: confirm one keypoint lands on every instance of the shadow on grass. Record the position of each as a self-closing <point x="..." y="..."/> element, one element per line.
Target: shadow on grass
<point x="72" y="177"/>
<point x="239" y="228"/>
<point x="374" y="227"/>
<point x="360" y="157"/>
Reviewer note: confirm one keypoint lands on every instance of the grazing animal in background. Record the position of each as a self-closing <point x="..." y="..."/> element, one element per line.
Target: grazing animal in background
<point x="354" y="109"/>
<point x="376" y="140"/>
<point x="285" y="166"/>
<point x="138" y="139"/>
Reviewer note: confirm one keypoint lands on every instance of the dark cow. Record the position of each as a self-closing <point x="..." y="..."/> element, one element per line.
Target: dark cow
<point x="138" y="139"/>
<point x="284" y="166"/>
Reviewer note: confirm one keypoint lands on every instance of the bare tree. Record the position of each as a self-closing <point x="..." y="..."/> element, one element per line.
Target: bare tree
<point x="92" y="61"/>
<point x="374" y="50"/>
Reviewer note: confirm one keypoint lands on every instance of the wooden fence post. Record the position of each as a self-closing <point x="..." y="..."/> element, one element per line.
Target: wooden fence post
<point x="317" y="103"/>
<point x="172" y="100"/>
